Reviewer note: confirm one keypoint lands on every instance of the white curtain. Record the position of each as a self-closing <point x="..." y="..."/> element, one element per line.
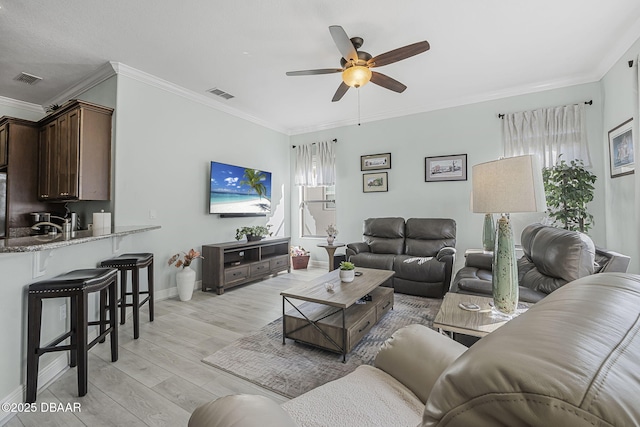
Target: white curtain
<point x="317" y="169"/>
<point x="304" y="173"/>
<point x="547" y="133"/>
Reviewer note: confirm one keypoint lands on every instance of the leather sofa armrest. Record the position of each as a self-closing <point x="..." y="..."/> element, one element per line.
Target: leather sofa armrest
<point x="444" y="252"/>
<point x="479" y="260"/>
<point x="416" y="355"/>
<point x="617" y="263"/>
<point x="241" y="410"/>
<point x="356" y="248"/>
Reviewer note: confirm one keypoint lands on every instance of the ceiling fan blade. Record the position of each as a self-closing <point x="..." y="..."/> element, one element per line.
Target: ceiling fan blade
<point x="387" y="82"/>
<point x="342" y="41"/>
<point x="398" y="54"/>
<point x="342" y="89"/>
<point x="314" y="72"/>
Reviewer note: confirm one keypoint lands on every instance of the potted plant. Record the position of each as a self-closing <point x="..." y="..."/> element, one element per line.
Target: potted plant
<point x="568" y="188"/>
<point x="257" y="232"/>
<point x="347" y="272"/>
<point x="332" y="232"/>
<point x="299" y="257"/>
<point x="185" y="278"/>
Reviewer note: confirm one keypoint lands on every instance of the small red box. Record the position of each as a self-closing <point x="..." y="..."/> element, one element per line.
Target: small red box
<point x="300" y="262"/>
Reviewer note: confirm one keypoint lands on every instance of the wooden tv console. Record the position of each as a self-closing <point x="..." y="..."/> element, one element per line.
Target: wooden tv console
<point x="226" y="265"/>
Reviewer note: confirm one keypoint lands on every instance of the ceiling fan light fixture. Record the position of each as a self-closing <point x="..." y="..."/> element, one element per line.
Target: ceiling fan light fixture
<point x="356" y="76"/>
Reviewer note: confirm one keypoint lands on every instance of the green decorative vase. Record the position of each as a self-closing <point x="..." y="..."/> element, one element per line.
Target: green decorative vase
<point x="489" y="233"/>
<point x="505" y="270"/>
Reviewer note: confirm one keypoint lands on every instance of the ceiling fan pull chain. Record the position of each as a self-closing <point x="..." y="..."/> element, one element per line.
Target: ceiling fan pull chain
<point x="358" y="90"/>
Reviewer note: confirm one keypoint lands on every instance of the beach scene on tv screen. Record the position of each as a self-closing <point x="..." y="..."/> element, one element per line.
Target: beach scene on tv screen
<point x="236" y="189"/>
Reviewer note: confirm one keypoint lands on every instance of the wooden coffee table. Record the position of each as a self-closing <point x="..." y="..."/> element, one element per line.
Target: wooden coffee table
<point x="452" y="318"/>
<point x="331" y="319"/>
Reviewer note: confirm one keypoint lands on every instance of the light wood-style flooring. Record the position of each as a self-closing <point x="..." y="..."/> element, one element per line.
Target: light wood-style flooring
<point x="159" y="379"/>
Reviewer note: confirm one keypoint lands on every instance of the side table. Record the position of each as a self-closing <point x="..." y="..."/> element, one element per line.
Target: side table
<point x="331" y="250"/>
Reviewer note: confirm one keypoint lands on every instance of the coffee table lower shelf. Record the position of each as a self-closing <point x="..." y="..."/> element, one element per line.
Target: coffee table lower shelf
<point x="336" y="329"/>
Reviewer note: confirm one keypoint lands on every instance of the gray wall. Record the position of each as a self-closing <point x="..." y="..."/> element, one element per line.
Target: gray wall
<point x="620" y="94"/>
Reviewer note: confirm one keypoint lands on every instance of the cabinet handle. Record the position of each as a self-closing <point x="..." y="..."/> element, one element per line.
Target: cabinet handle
<point x="365" y="326"/>
<point x="387" y="305"/>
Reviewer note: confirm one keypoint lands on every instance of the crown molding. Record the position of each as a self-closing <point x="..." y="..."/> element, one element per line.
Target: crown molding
<point x="615" y="52"/>
<point x="104" y="72"/>
<point x="456" y="102"/>
<point x="14" y="103"/>
<point x="141" y="76"/>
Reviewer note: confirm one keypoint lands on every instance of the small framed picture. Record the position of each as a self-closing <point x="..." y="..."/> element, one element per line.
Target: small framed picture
<point x="621" y="155"/>
<point x="445" y="168"/>
<point x="375" y="161"/>
<point x="375" y="182"/>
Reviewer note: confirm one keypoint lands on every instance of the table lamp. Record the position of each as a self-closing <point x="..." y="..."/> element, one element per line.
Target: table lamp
<point x="507" y="186"/>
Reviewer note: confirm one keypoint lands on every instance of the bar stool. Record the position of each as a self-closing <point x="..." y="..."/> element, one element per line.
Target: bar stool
<point x="76" y="285"/>
<point x="133" y="262"/>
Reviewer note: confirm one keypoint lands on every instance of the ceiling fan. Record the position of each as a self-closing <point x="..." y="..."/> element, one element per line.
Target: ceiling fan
<point x="356" y="65"/>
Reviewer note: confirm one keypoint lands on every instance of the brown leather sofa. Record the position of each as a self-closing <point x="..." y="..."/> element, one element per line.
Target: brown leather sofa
<point x="571" y="360"/>
<point x="421" y="251"/>
<point x="552" y="257"/>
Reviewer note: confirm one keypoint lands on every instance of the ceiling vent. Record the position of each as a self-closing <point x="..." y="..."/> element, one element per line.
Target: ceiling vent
<point x="217" y="92"/>
<point x="27" y="78"/>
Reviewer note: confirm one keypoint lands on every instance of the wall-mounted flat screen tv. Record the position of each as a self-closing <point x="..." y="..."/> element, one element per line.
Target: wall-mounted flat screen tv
<point x="236" y="190"/>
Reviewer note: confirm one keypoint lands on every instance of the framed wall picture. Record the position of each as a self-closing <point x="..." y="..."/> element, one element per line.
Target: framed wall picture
<point x="621" y="154"/>
<point x="375" y="182"/>
<point x="445" y="168"/>
<point x="375" y="162"/>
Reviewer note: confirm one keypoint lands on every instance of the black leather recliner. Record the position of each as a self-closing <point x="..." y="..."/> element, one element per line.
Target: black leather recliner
<point x="552" y="257"/>
<point x="421" y="251"/>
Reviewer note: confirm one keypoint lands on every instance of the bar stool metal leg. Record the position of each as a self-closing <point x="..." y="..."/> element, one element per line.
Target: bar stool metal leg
<point x="33" y="358"/>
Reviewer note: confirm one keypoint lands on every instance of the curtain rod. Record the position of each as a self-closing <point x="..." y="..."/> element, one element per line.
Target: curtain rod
<point x="313" y="143"/>
<point x="589" y="102"/>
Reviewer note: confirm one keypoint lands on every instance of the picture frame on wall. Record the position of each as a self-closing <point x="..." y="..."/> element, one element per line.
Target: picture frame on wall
<point x="445" y="168"/>
<point x="621" y="152"/>
<point x="375" y="162"/>
<point x="375" y="182"/>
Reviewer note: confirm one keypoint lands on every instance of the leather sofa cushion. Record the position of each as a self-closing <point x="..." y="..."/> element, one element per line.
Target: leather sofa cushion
<point x="384" y="235"/>
<point x="562" y="254"/>
<point x="371" y="260"/>
<point x="426" y="236"/>
<point x="419" y="269"/>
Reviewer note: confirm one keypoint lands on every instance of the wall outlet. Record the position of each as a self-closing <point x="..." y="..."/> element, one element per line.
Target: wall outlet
<point x="153" y="214"/>
<point x="63" y="312"/>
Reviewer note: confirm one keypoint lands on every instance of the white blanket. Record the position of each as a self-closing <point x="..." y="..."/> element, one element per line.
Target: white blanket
<point x="367" y="397"/>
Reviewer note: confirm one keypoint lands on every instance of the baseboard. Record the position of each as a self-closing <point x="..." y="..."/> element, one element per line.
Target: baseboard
<point x="172" y="292"/>
<point x="46" y="376"/>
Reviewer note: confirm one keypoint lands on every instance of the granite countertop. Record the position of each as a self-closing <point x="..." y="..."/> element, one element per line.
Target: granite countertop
<point x="59" y="240"/>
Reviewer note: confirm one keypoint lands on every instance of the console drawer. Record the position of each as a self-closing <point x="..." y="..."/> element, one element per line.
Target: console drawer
<point x="361" y="328"/>
<point x="279" y="262"/>
<point x="260" y="268"/>
<point x="236" y="274"/>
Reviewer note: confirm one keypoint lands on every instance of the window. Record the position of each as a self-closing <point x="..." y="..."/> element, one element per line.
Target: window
<point x="317" y="210"/>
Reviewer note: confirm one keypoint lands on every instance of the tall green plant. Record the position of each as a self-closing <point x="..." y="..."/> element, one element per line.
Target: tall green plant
<point x="568" y="188"/>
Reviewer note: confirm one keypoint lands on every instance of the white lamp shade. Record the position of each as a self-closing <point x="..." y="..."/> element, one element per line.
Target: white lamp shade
<point x="508" y="185"/>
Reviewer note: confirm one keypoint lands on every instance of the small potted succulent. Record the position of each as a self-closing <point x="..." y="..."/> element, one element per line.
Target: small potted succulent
<point x="257" y="232"/>
<point x="347" y="271"/>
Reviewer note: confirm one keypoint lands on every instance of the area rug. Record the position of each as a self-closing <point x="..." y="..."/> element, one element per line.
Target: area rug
<point x="293" y="369"/>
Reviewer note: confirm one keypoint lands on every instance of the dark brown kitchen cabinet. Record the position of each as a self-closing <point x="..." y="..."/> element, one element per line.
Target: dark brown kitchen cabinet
<point x="4" y="144"/>
<point x="20" y="141"/>
<point x="75" y="153"/>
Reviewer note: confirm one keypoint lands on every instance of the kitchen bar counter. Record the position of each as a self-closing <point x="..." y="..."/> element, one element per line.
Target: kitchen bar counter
<point x="59" y="240"/>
